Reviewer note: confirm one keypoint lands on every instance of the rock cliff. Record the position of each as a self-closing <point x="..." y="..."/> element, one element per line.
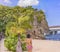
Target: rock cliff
<point x="39" y="28"/>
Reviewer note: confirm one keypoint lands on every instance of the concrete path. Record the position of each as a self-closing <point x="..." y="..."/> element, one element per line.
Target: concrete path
<point x="46" y="46"/>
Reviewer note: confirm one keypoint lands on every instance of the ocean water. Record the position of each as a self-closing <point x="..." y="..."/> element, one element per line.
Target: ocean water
<point x="53" y="37"/>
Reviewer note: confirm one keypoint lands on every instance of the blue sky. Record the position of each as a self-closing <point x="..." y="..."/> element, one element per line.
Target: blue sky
<point x="50" y="7"/>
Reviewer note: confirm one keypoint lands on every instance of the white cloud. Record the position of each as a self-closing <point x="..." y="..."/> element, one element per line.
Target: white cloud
<point x="7" y="1"/>
<point x="25" y="3"/>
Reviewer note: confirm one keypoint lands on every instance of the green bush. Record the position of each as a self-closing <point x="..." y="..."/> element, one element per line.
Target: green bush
<point x="23" y="37"/>
<point x="11" y="42"/>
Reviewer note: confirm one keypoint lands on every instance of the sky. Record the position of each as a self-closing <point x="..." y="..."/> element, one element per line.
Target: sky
<point x="50" y="7"/>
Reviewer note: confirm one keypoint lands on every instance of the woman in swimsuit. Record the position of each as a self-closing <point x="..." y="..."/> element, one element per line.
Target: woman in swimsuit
<point x="29" y="43"/>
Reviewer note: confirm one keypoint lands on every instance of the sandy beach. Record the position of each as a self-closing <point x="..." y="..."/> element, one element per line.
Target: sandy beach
<point x="46" y="46"/>
<point x="39" y="46"/>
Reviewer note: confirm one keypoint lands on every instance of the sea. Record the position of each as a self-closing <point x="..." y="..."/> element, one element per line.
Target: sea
<point x="55" y="37"/>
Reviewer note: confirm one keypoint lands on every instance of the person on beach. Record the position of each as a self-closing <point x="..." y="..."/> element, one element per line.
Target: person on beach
<point x="19" y="48"/>
<point x="29" y="43"/>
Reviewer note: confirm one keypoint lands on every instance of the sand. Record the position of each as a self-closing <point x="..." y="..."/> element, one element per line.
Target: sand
<point x="39" y="46"/>
<point x="46" y="46"/>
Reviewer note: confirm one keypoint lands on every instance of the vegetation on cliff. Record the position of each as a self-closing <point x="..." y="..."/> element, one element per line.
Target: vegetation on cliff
<point x="14" y="19"/>
<point x="12" y="14"/>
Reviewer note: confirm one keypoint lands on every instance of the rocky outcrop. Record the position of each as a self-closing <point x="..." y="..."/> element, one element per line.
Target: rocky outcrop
<point x="39" y="29"/>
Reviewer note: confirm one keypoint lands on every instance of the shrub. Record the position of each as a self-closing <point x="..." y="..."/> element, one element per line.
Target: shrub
<point x="11" y="42"/>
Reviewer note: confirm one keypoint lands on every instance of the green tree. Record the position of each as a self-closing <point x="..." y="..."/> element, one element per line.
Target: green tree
<point x="19" y="26"/>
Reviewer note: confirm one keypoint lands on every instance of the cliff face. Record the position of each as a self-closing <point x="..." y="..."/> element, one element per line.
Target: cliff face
<point x="39" y="29"/>
<point x="44" y="25"/>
